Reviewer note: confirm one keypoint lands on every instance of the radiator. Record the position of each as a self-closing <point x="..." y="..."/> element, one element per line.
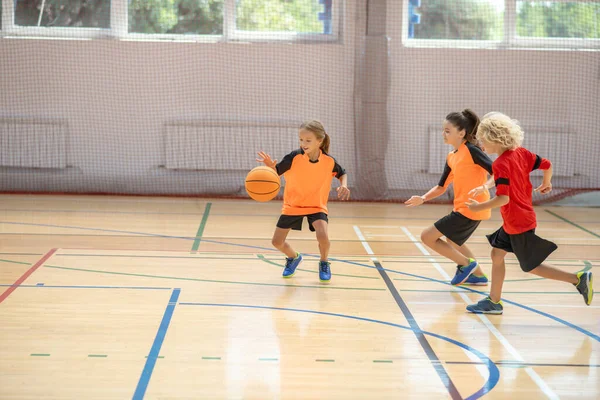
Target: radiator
<point x="553" y="144"/>
<point x="33" y="142"/>
<point x="225" y="145"/>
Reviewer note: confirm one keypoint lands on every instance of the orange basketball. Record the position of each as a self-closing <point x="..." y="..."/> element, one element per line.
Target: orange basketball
<point x="262" y="183"/>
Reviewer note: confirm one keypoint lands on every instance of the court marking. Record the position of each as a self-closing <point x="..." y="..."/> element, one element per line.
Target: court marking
<point x="488" y="324"/>
<point x="425" y="345"/>
<point x="573" y="223"/>
<point x="26" y="275"/>
<point x="490" y="383"/>
<point x="198" y="238"/>
<point x="144" y="380"/>
<point x="212" y="280"/>
<point x="576" y="327"/>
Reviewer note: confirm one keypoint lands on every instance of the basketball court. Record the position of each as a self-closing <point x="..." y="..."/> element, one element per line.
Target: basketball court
<point x="125" y="297"/>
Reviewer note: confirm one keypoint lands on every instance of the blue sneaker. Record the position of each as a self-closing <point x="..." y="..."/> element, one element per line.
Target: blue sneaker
<point x="463" y="272"/>
<point x="585" y="286"/>
<point x="290" y="265"/>
<point x="324" y="271"/>
<point x="476" y="280"/>
<point x="486" y="306"/>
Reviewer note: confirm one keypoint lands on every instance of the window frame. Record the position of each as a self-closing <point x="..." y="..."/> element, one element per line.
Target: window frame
<point x="510" y="40"/>
<point x="119" y="28"/>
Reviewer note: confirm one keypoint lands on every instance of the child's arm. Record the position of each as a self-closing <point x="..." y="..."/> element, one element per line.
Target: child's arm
<point x="546" y="185"/>
<point x="480" y="189"/>
<point x="432" y="194"/>
<point x="497" y="201"/>
<point x="343" y="191"/>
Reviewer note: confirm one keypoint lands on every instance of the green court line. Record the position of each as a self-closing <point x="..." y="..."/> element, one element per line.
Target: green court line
<point x="98" y="355"/>
<point x="39" y="355"/>
<point x="201" y="228"/>
<point x="211" y="358"/>
<point x="156" y="357"/>
<point x="573" y="223"/>
<point x="208" y="280"/>
<point x="383" y="361"/>
<point x="324" y="360"/>
<point x="262" y="258"/>
<point x="268" y="359"/>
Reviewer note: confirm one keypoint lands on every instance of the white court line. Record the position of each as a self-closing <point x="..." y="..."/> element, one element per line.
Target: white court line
<point x="534" y="376"/>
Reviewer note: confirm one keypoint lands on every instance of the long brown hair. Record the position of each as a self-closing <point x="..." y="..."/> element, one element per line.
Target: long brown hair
<point x="317" y="128"/>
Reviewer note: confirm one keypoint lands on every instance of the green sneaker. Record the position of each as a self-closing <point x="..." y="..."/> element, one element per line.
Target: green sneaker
<point x="486" y="306"/>
<point x="585" y="286"/>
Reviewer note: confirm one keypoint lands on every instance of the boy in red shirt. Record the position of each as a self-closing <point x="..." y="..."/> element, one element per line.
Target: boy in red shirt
<point x="503" y="136"/>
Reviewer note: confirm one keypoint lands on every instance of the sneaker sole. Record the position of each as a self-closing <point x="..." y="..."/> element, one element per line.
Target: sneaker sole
<point x="325" y="281"/>
<point x="475" y="284"/>
<point x="590" y="290"/>
<point x="494" y="312"/>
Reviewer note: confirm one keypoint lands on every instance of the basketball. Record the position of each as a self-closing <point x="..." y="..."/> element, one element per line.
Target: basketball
<point x="262" y="183"/>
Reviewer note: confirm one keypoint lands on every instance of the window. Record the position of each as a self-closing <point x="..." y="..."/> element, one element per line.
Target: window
<point x="460" y="20"/>
<point x="503" y="23"/>
<point x="61" y="13"/>
<point x="546" y="19"/>
<point x="198" y="20"/>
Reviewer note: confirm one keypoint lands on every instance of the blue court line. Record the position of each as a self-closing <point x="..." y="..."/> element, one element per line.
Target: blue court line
<point x="523" y="364"/>
<point x="435" y="361"/>
<point x="142" y="385"/>
<point x="494" y="373"/>
<point x="559" y="320"/>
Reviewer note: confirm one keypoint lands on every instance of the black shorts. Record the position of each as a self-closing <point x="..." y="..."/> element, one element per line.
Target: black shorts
<point x="530" y="249"/>
<point x="295" y="221"/>
<point x="456" y="227"/>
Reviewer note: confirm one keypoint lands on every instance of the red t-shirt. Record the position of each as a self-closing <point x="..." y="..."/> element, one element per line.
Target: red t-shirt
<point x="511" y="173"/>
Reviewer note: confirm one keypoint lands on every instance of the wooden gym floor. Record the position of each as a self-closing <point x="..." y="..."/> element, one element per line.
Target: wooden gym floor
<point x="170" y="298"/>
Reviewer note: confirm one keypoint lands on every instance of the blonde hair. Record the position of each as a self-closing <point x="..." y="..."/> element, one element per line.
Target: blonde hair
<point x="496" y="127"/>
<point x="317" y="128"/>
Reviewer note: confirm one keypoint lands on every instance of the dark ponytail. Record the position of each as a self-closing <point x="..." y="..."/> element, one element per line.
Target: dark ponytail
<point x="467" y="120"/>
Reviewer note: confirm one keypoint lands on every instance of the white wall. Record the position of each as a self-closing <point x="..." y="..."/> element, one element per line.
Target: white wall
<point x="116" y="95"/>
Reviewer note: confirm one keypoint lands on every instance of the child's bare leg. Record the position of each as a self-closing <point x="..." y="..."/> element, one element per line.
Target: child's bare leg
<point x="323" y="238"/>
<point x="464" y="250"/>
<point x="281" y="244"/>
<point x="431" y="237"/>
<point x="498" y="274"/>
<point x="549" y="272"/>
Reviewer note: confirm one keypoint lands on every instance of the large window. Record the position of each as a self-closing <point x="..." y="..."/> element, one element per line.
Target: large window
<point x="201" y="20"/>
<point x="503" y="23"/>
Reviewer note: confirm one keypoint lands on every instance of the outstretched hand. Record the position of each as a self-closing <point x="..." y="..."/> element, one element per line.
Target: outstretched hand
<point x="266" y="159"/>
<point x="544" y="188"/>
<point x="414" y="201"/>
<point x="473" y="205"/>
<point x="343" y="193"/>
<point x="477" y="191"/>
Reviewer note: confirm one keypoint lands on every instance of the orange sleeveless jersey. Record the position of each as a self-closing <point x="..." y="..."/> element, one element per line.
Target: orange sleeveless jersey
<point x="307" y="183"/>
<point x="467" y="167"/>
